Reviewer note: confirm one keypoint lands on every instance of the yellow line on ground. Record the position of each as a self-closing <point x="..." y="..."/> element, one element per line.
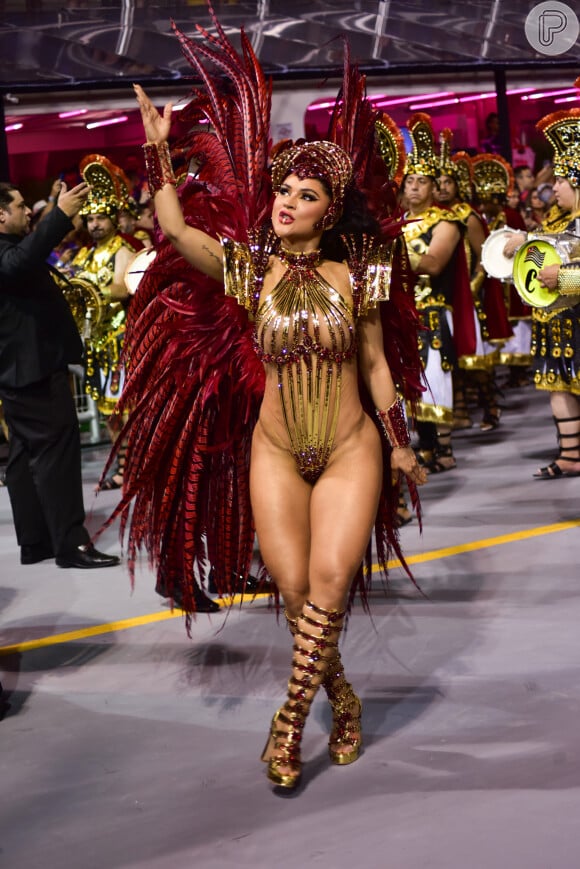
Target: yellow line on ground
<point x="432" y="555"/>
<point x="486" y="543"/>
<point x="106" y="628"/>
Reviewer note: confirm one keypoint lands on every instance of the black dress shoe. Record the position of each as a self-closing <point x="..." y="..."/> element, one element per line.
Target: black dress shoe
<point x="203" y="603"/>
<point x="32" y="553"/>
<point x="86" y="556"/>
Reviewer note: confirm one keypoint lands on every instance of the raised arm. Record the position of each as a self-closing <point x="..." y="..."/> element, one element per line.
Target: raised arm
<point x="376" y="374"/>
<point x="194" y="245"/>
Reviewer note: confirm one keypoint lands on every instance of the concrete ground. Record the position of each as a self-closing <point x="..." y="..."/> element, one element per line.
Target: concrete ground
<point x="126" y="744"/>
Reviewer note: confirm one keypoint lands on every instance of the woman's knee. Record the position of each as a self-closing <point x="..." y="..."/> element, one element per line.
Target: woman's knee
<point x="330" y="587"/>
<point x="294" y="593"/>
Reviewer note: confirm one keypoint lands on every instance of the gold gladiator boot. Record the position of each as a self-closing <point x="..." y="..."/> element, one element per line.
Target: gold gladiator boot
<point x="315" y="640"/>
<point x="346" y="736"/>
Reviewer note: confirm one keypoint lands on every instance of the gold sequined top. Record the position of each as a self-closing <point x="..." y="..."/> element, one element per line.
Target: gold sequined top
<point x="306" y="328"/>
<point x="97" y="263"/>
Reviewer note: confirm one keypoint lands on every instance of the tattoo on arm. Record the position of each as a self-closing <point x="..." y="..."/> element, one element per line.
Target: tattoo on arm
<point x="212" y="254"/>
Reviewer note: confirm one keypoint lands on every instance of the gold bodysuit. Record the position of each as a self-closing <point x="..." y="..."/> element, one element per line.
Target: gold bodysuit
<point x="307" y="330"/>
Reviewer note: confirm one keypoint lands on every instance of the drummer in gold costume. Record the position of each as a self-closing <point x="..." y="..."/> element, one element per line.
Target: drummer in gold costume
<point x="442" y="294"/>
<point x="556" y="327"/>
<point x="104" y="263"/>
<point x="494" y="181"/>
<point x="475" y="371"/>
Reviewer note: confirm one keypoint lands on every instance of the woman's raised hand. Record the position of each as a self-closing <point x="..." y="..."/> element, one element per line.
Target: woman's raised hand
<point x="156" y="126"/>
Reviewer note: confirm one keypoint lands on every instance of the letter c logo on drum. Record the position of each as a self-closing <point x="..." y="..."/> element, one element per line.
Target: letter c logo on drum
<point x="530" y="278"/>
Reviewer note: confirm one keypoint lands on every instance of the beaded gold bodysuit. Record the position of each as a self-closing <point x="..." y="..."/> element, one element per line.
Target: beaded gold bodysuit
<point x="306" y="329"/>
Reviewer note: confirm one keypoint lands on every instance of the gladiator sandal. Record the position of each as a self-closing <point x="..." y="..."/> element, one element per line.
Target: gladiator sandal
<point x="346" y="738"/>
<point x="317" y="632"/>
<point x="443" y="458"/>
<point x="461" y="416"/>
<point x="553" y="471"/>
<point x="488" y="401"/>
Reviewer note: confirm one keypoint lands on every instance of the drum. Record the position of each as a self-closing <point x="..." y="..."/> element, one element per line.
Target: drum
<point x="493" y="259"/>
<point x="137" y="267"/>
<point x="535" y="255"/>
<point x="91" y="312"/>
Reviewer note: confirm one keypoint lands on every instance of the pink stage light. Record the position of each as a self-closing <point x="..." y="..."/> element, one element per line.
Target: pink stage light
<point x="12" y="127"/>
<point x="380" y="103"/>
<point x="73" y="113"/>
<point x="470" y="98"/>
<point x="567" y="99"/>
<point x="107" y="123"/>
<point x="473" y="97"/>
<point x="519" y="91"/>
<point x="416" y="106"/>
<point x="382" y="100"/>
<point x="541" y="94"/>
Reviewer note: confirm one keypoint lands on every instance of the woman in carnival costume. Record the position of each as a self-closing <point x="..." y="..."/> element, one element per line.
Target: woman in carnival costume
<point x="272" y="408"/>
<point x="556" y="329"/>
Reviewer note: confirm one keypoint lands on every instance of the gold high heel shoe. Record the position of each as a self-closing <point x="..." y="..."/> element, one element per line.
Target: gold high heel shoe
<point x="315" y="641"/>
<point x="346" y="723"/>
<point x="286" y="744"/>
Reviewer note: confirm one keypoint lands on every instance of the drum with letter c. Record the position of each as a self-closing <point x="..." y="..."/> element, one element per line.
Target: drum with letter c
<point x="535" y="255"/>
<point x="494" y="261"/>
<point x="137" y="268"/>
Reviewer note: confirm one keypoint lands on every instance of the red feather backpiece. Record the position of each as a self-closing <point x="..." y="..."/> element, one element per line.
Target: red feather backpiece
<point x="193" y="382"/>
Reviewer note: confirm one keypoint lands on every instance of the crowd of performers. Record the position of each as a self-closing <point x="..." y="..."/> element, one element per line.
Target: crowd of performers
<point x="315" y="326"/>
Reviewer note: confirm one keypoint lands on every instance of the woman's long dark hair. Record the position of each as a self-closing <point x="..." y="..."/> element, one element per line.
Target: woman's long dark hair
<point x="356" y="219"/>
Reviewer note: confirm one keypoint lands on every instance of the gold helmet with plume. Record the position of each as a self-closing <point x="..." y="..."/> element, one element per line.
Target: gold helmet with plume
<point x="562" y="130"/>
<point x="109" y="186"/>
<point x="391" y="146"/>
<point x="456" y="166"/>
<point x="422" y="159"/>
<point x="492" y="176"/>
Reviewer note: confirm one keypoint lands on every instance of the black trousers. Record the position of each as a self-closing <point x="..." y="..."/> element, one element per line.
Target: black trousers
<point x="43" y="474"/>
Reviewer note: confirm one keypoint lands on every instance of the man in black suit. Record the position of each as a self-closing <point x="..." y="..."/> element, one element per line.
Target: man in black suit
<point x="38" y="340"/>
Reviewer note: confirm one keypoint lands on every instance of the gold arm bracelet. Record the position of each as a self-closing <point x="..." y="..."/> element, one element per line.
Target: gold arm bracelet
<point x="158" y="166"/>
<point x="569" y="279"/>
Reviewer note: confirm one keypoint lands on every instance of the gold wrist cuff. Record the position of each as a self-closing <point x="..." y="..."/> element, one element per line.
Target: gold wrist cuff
<point x="569" y="279"/>
<point x="158" y="166"/>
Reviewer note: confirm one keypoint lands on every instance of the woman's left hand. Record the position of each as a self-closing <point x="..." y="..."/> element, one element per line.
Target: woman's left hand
<point x="404" y="459"/>
<point x="156" y="126"/>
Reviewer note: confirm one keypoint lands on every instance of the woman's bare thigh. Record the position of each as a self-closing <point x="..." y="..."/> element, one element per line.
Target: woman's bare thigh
<point x="343" y="510"/>
<point x="281" y="509"/>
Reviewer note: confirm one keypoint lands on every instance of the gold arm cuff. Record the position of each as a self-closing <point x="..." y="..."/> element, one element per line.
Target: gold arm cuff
<point x="569" y="279"/>
<point x="158" y="166"/>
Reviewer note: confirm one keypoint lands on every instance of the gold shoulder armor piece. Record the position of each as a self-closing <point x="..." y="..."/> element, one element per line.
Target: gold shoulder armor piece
<point x="377" y="277"/>
<point x="239" y="274"/>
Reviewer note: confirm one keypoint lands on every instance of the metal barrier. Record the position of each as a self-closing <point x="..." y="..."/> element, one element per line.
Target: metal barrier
<point x="86" y="407"/>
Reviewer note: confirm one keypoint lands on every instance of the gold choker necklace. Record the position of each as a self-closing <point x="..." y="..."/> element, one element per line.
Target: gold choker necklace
<point x="300" y="259"/>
